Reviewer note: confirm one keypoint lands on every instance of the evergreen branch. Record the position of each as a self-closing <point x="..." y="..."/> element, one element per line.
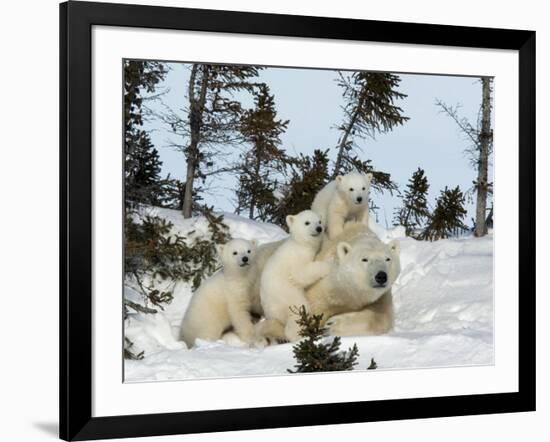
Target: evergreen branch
<point x="139" y="307"/>
<point x="312" y="354"/>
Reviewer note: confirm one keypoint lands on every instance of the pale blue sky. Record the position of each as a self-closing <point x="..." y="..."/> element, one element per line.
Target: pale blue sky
<point x="311" y="100"/>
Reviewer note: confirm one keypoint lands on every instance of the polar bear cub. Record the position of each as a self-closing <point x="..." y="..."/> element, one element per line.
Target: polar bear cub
<point x="224" y="300"/>
<point x="344" y="199"/>
<point x="290" y="270"/>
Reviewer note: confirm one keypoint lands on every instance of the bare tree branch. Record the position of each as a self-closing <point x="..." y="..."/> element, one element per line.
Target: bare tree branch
<point x="462" y="123"/>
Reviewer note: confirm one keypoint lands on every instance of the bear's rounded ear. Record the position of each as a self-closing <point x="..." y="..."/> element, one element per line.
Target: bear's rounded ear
<point x="289" y="220"/>
<point x="368" y="176"/>
<point x="339" y="179"/>
<point x="342" y="249"/>
<point x="254" y="243"/>
<point x="219" y="249"/>
<point x="395" y="246"/>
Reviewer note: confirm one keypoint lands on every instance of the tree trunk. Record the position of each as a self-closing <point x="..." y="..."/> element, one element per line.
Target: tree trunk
<point x="485" y="137"/>
<point x="187" y="208"/>
<point x="257" y="165"/>
<point x="344" y="139"/>
<point x="196" y="108"/>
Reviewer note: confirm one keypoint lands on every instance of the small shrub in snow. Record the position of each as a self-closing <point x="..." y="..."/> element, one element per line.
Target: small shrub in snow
<point x="313" y="353"/>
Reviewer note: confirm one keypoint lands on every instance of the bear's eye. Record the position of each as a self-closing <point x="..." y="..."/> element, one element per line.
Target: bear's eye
<point x="364" y="260"/>
<point x="307" y="223"/>
<point x="388" y="259"/>
<point x="363" y="188"/>
<point x="248" y="251"/>
<point x="234" y="253"/>
<point x="351" y="189"/>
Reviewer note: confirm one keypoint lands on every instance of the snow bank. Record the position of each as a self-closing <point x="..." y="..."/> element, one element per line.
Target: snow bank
<point x="240" y="227"/>
<point x="443" y="314"/>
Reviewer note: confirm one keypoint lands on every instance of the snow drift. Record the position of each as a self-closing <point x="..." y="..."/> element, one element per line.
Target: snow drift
<point x="443" y="313"/>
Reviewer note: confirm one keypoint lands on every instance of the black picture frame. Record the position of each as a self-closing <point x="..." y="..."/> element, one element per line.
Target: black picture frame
<point x="76" y="21"/>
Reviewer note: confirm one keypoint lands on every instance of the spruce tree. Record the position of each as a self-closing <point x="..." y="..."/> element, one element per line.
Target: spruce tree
<point x="447" y="217"/>
<point x="151" y="251"/>
<point x="313" y="354"/>
<point x="142" y="165"/>
<point x="210" y="122"/>
<point x="480" y="140"/>
<point x="264" y="161"/>
<point x="172" y="193"/>
<point x="308" y="175"/>
<point x="414" y="211"/>
<point x="369" y="109"/>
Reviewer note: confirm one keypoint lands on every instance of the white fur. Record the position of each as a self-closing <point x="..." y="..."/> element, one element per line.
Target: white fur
<point x="344" y="199"/>
<point x="290" y="270"/>
<point x="351" y="297"/>
<point x="226" y="299"/>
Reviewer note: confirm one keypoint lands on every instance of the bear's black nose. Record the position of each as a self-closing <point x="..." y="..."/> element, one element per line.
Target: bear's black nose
<point x="381" y="277"/>
<point x="359" y="199"/>
<point x="245" y="258"/>
<point x="319" y="229"/>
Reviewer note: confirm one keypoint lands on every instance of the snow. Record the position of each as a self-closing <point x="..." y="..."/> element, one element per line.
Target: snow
<point x="443" y="314"/>
<point x="239" y="226"/>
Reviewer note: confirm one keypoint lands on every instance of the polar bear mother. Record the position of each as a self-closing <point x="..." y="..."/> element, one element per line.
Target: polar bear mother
<point x="355" y="298"/>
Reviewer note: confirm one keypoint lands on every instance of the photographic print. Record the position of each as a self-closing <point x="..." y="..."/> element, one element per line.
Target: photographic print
<point x="297" y="206"/>
<point x="285" y="220"/>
